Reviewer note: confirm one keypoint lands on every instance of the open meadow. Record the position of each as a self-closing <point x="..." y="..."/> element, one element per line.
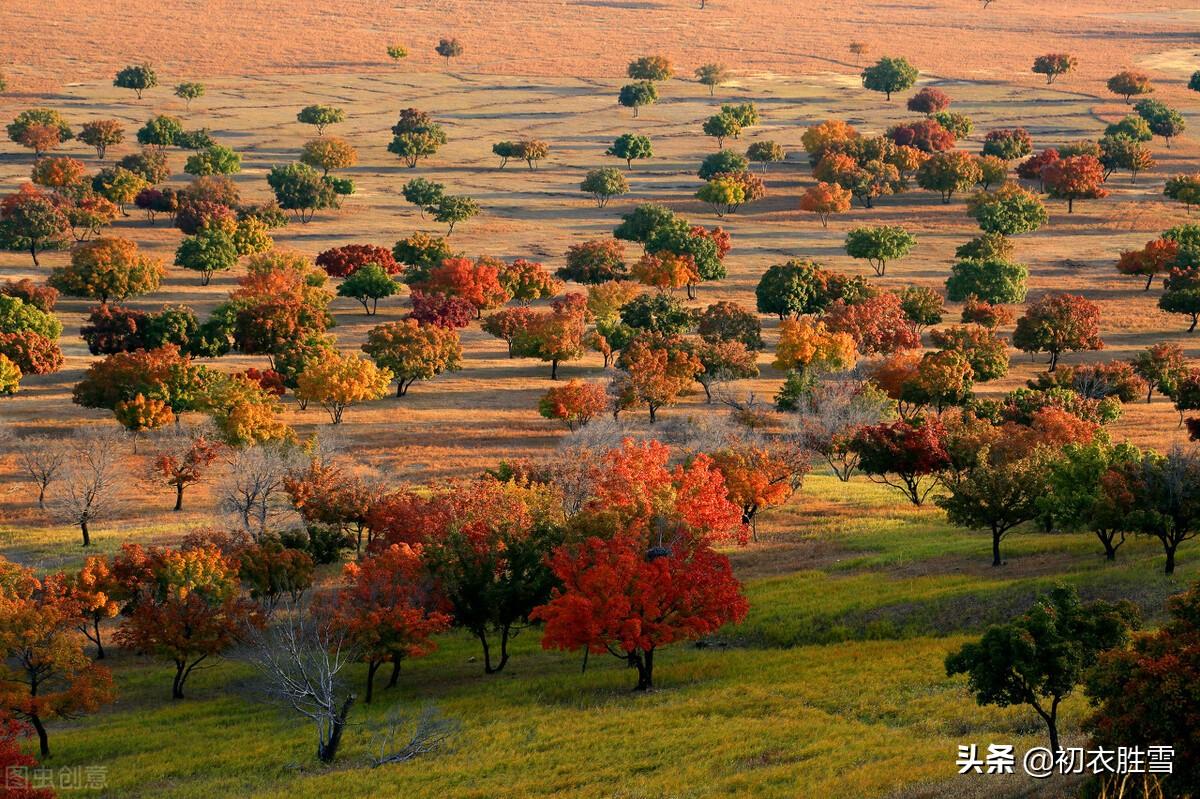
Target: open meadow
<point x="834" y="683"/>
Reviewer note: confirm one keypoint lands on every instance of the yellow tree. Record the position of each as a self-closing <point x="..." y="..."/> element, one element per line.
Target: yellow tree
<point x="339" y="380"/>
<point x="805" y="344"/>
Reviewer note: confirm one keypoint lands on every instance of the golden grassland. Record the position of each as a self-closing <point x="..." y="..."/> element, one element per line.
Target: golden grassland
<point x="947" y="38"/>
<point x="486" y="412"/>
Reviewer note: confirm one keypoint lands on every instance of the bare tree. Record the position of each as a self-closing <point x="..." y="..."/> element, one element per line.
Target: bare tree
<point x="253" y="489"/>
<point x="572" y="465"/>
<point x="431" y="731"/>
<point x="42" y="458"/>
<point x="90" y="478"/>
<point x="301" y="657"/>
<point x="832" y="413"/>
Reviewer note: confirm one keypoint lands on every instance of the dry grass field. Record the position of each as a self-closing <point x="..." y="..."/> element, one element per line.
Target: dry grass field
<point x="473" y="418"/>
<point x="552" y="71"/>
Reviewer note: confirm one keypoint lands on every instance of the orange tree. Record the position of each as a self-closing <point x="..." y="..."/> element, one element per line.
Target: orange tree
<point x="656" y="372"/>
<point x="1079" y="177"/>
<point x="389" y="608"/>
<point x="477" y="282"/>
<point x="32" y="221"/>
<point x="184" y="462"/>
<point x="44" y="673"/>
<point x="412" y="351"/>
<point x="1156" y="258"/>
<point x="553" y="336"/>
<point x="108" y="268"/>
<point x="646" y="575"/>
<point x="185" y="606"/>
<point x="325" y="495"/>
<point x="99" y="593"/>
<point x="574" y="403"/>
<point x="759" y="475"/>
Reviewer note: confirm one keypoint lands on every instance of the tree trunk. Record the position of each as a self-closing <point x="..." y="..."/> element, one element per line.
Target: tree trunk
<point x="98" y="641"/>
<point x="180" y="676"/>
<point x="179" y="496"/>
<point x="87" y="539"/>
<point x="372" y="667"/>
<point x="996" y="549"/>
<point x="644" y="663"/>
<point x="554" y="369"/>
<point x="41" y="495"/>
<point x="488" y="668"/>
<point x="395" y="671"/>
<point x="1169" y="569"/>
<point x="327" y="750"/>
<point x="43" y="739"/>
<point x="1053" y="361"/>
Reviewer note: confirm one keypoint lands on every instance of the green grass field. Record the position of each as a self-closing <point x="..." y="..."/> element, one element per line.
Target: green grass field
<point x="832" y="687"/>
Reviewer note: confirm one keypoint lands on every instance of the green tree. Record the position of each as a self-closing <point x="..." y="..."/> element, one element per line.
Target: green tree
<point x="659" y="313"/>
<point x="211" y="250"/>
<point x="604" y="184"/>
<point x="161" y="131"/>
<point x="368" y="284"/>
<point x="188" y="92"/>
<point x="320" y="116"/>
<point x="424" y="194"/>
<point x="996" y="493"/>
<point x="1131" y="126"/>
<point x="765" y="152"/>
<point x="630" y="146"/>
<point x="139" y="77"/>
<point x="452" y="209"/>
<point x="215" y="160"/>
<point x="789" y="289"/>
<point x="300" y="189"/>
<point x="505" y="150"/>
<point x="994" y="280"/>
<point x="878" y="245"/>
<point x="1087" y="490"/>
<point x="1038" y="658"/>
<point x="890" y="75"/>
<point x="1008" y="210"/>
<point x="650" y="68"/>
<point x="1166" y="499"/>
<point x="725" y="161"/>
<point x="1163" y="120"/>
<point x="712" y="76"/>
<point x="722" y="127"/>
<point x="636" y="95"/>
<point x="449" y="48"/>
<point x="949" y="172"/>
